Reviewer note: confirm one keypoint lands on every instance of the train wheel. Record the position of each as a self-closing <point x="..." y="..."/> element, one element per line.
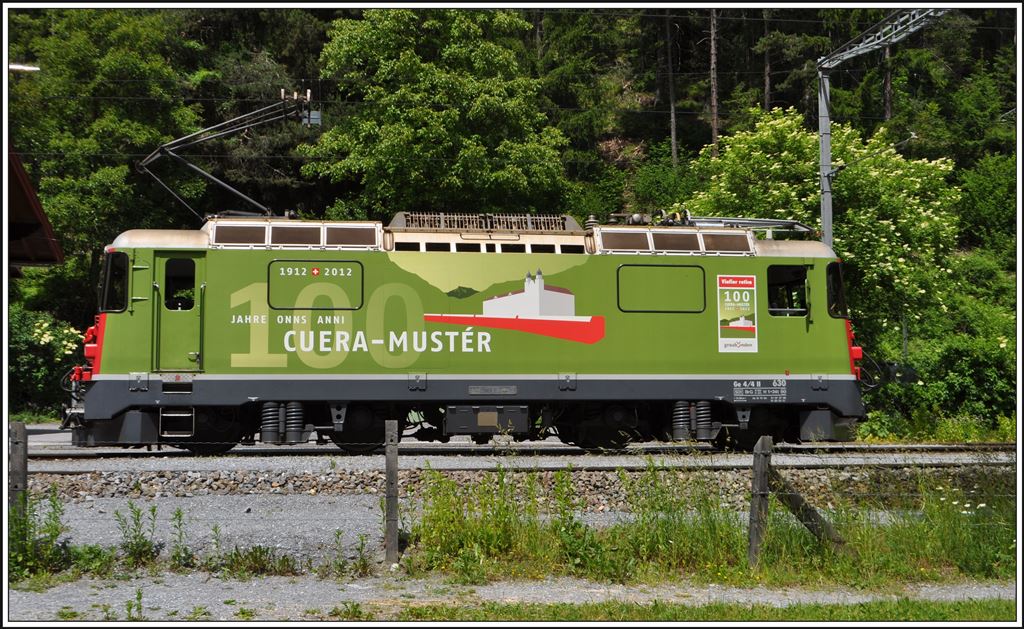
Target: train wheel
<point x="763" y="421"/>
<point x="216" y="432"/>
<point x="363" y="432"/>
<point x="604" y="439"/>
<point x="735" y="440"/>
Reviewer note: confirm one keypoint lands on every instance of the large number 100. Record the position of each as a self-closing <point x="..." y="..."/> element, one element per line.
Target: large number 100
<point x="737" y="296"/>
<point x="259" y="354"/>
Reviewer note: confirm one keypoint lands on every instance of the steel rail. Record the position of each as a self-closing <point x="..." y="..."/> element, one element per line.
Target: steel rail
<point x="517" y="449"/>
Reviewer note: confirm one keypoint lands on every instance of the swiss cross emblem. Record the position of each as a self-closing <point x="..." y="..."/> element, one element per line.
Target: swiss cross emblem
<point x="316" y="271"/>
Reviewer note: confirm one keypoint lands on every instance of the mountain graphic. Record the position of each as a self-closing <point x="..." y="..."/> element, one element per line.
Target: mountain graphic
<point x="461" y="292"/>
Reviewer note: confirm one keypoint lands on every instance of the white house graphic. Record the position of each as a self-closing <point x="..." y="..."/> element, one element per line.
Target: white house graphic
<point x="537" y="309"/>
<point x="535" y="300"/>
<point x="742" y="322"/>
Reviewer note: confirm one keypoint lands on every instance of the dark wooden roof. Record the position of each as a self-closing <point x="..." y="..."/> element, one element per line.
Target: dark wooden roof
<point x="30" y="239"/>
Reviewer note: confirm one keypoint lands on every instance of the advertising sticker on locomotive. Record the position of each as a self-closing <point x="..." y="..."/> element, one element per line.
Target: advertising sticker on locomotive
<point x="737" y="320"/>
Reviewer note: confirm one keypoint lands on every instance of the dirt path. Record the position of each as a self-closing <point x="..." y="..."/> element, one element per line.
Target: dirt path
<point x="199" y="597"/>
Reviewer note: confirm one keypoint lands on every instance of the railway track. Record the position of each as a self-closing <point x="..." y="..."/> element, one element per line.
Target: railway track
<point x="511" y="449"/>
<point x="515" y="457"/>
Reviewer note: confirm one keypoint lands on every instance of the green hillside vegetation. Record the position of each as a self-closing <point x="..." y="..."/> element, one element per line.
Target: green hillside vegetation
<point x="551" y="110"/>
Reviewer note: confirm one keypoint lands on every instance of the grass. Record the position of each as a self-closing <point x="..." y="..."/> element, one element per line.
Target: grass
<point x="879" y="426"/>
<point x="904" y="610"/>
<point x="256" y="561"/>
<point x="33" y="539"/>
<point x="34" y="417"/>
<point x="67" y="613"/>
<point x="519" y="526"/>
<point x="493" y="530"/>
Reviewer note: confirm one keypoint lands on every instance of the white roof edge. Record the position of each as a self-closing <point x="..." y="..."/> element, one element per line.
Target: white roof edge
<point x="162" y="238"/>
<point x="793" y="249"/>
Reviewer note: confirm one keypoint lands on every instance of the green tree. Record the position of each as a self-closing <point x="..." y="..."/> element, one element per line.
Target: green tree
<point x="894" y="221"/>
<point x="988" y="207"/>
<point x="896" y="228"/>
<point x="442" y="115"/>
<point x="108" y="92"/>
<point x="251" y="56"/>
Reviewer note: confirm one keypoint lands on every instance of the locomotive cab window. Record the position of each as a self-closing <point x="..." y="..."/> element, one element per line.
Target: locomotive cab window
<point x="180" y="283"/>
<point x="836" y="298"/>
<point x="787" y="291"/>
<point x="114" y="283"/>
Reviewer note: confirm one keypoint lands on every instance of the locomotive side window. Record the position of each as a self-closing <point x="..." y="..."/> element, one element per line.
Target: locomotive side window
<point x="180" y="283"/>
<point x="288" y="235"/>
<point x="114" y="283"/>
<point x="726" y="242"/>
<point x="787" y="291"/>
<point x="836" y="298"/>
<point x="628" y="241"/>
<point x="361" y="236"/>
<point x="241" y="234"/>
<point x="675" y="241"/>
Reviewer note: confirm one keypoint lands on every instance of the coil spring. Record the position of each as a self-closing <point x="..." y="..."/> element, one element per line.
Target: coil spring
<point x="269" y="431"/>
<point x="704" y="420"/>
<point x="681" y="420"/>
<point x="294" y="422"/>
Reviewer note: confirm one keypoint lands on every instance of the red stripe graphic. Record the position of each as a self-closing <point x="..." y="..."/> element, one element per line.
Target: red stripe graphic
<point x="588" y="332"/>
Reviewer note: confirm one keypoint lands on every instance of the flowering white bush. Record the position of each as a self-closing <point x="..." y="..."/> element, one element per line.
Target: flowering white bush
<point x="40" y="349"/>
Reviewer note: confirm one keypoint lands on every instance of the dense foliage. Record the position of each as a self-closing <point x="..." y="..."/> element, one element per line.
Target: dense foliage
<point x="443" y="115"/>
<point x="551" y="110"/>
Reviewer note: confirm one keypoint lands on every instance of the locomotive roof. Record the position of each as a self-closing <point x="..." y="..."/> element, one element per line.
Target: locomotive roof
<point x="281" y="233"/>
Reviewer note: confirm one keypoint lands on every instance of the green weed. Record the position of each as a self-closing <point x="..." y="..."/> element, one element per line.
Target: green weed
<point x="245" y="613"/>
<point x="94" y="559"/>
<point x="337" y="566"/>
<point x="108" y="612"/>
<point x="182" y="557"/>
<point x="199" y="612"/>
<point x="362" y="566"/>
<point x="349" y="611"/>
<point x="34" y="547"/>
<point x="133" y="608"/>
<point x="67" y="613"/>
<point x="137" y="543"/>
<point x="257" y="561"/>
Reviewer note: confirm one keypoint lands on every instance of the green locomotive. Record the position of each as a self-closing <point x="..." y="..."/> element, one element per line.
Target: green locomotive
<point x="275" y="330"/>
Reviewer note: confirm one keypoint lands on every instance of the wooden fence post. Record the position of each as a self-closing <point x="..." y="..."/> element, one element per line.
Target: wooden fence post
<point x="819" y="526"/>
<point x="759" y="498"/>
<point x="391" y="496"/>
<point x="18" y="470"/>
